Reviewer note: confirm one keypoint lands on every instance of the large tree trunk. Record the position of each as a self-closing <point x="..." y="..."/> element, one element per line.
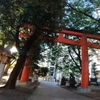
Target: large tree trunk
<point x="13" y="77"/>
<point x="21" y="60"/>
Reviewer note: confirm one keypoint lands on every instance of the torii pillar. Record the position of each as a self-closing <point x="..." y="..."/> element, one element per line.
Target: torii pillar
<point x="85" y="69"/>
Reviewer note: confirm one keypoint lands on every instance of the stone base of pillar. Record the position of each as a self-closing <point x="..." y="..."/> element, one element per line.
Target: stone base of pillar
<point x="83" y="90"/>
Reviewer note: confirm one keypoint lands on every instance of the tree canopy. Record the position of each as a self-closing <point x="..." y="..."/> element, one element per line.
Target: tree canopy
<point x="23" y="22"/>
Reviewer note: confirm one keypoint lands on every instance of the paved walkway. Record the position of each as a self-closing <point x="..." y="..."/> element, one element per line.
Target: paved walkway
<point x="50" y="91"/>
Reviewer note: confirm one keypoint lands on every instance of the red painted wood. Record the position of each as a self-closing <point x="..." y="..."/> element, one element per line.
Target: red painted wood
<point x="85" y="70"/>
<point x="25" y="74"/>
<point x="67" y="41"/>
<point x="93" y="36"/>
<point x="93" y="45"/>
<point x="75" y="33"/>
<point x="73" y="42"/>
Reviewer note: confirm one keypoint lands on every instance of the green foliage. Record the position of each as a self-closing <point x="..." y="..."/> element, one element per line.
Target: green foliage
<point x="59" y="57"/>
<point x="14" y="14"/>
<point x="81" y="15"/>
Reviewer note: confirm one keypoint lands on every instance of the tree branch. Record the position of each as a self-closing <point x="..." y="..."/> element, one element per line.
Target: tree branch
<point x="74" y="60"/>
<point x="78" y="54"/>
<point x="82" y="13"/>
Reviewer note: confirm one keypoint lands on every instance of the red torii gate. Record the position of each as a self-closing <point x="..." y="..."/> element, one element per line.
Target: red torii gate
<point x="83" y="43"/>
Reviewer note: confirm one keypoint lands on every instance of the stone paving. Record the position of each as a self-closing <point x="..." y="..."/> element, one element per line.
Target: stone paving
<point x="50" y="91"/>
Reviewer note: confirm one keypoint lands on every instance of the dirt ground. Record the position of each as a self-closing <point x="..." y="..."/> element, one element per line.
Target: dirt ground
<point x="94" y="94"/>
<point x="20" y="93"/>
